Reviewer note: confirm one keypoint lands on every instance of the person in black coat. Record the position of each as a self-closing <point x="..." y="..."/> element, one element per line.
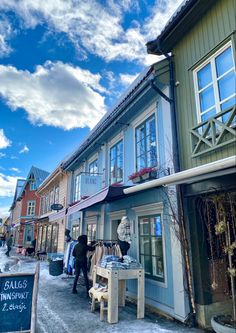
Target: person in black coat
<point x="80" y="253"/>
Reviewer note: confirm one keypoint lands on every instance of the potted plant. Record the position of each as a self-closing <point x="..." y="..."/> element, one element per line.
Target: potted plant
<point x="143" y="174"/>
<point x="226" y="234"/>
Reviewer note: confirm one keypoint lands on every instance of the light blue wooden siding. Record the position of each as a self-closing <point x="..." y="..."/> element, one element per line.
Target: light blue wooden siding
<point x="212" y="31"/>
<point x="153" y="292"/>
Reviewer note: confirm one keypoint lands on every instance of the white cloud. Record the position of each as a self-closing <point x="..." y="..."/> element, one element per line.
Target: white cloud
<point x="4" y="141"/>
<point x="25" y="149"/>
<point x="7" y="185"/>
<point x="2" y="155"/>
<point x="15" y="170"/>
<point x="4" y="211"/>
<point x="127" y="79"/>
<point x="96" y="28"/>
<point x="56" y="94"/>
<point x="6" y="33"/>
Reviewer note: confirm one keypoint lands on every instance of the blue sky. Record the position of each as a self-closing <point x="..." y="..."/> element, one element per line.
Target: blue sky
<point x="63" y="64"/>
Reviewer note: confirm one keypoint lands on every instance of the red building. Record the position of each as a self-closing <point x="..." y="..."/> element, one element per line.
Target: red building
<point x="25" y="231"/>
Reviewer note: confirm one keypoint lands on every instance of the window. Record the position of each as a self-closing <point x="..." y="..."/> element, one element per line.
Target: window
<point x="93" y="168"/>
<point x="76" y="188"/>
<point x="116" y="163"/>
<point x="215" y="84"/>
<point x="30" y="208"/>
<point x="91" y="232"/>
<point x="146" y="147"/>
<point x="32" y="185"/>
<point x="151" y="246"/>
<point x="56" y="200"/>
<point x="28" y="233"/>
<point x="75" y="232"/>
<point x="51" y="199"/>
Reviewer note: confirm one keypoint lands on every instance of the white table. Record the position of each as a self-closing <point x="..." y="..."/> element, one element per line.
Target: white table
<point x="116" y="289"/>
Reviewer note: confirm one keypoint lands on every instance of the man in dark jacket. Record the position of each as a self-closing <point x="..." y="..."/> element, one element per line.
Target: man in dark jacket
<point x="80" y="254"/>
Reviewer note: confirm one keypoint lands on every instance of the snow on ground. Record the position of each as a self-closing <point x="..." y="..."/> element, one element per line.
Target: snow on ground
<point x="60" y="311"/>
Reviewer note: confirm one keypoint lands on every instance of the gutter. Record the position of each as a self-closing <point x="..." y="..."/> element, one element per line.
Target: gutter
<point x="183" y="176"/>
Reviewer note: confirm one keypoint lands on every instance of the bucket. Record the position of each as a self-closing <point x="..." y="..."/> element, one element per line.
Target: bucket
<point x="56" y="267"/>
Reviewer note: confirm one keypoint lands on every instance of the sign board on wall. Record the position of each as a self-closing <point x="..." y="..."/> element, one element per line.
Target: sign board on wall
<point x="18" y="298"/>
<point x="90" y="185"/>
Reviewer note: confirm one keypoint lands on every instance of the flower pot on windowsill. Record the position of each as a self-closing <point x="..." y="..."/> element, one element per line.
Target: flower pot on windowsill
<point x="149" y="175"/>
<point x="136" y="180"/>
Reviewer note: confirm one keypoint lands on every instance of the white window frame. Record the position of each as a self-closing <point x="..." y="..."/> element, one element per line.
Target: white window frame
<point x="142" y="120"/>
<point x="111" y="143"/>
<point x="90" y="163"/>
<point x="217" y="101"/>
<point x="114" y="143"/>
<point x="147" y="210"/>
<point x="31" y="205"/>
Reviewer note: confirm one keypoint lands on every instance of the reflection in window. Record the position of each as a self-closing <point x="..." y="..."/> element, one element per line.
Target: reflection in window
<point x="146" y="146"/>
<point x="116" y="163"/>
<point x="215" y="84"/>
<point x="151" y="246"/>
<point x="91" y="232"/>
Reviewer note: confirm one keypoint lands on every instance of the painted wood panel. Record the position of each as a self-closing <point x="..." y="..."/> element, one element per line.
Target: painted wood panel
<point x="212" y="30"/>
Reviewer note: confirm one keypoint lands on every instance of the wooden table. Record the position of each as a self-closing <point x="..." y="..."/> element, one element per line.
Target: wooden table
<point x="116" y="289"/>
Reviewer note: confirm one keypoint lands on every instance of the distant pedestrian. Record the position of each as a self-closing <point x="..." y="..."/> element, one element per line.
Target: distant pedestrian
<point x="80" y="253"/>
<point x="3" y="240"/>
<point x="9" y="245"/>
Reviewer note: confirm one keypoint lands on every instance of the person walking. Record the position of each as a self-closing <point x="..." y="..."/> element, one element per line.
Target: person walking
<point x="9" y="245"/>
<point x="80" y="253"/>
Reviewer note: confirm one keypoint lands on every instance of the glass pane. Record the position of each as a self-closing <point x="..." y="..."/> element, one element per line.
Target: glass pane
<point x="141" y="162"/>
<point x="208" y="114"/>
<point x="207" y="98"/>
<point x="226" y="105"/>
<point x="113" y="153"/>
<point x="145" y="245"/>
<point x="144" y="226"/>
<point x="156" y="226"/>
<point x="146" y="263"/>
<point x="49" y="234"/>
<point x="204" y="76"/>
<point x="140" y="133"/>
<point x="224" y="62"/>
<point x="227" y="85"/>
<point x="157" y="246"/>
<point x="158" y="267"/>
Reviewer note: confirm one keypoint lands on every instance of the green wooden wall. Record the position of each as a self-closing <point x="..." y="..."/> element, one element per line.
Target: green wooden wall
<point x="211" y="32"/>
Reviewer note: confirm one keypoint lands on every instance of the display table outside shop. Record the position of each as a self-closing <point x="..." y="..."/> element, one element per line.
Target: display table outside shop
<point x="116" y="279"/>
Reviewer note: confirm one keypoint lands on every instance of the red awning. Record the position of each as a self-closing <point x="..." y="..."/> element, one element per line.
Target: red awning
<point x="110" y="193"/>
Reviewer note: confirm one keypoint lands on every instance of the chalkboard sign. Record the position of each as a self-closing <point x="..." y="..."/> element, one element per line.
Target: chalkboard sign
<point x="17" y="295"/>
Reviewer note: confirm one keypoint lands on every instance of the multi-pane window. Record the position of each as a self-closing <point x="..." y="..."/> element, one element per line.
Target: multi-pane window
<point x="91" y="232"/>
<point x="51" y="199"/>
<point x="30" y="208"/>
<point x="76" y="188"/>
<point x="116" y="163"/>
<point x="146" y="145"/>
<point x="151" y="246"/>
<point x="75" y="232"/>
<point x="32" y="185"/>
<point x="56" y="198"/>
<point x="215" y="84"/>
<point x="93" y="168"/>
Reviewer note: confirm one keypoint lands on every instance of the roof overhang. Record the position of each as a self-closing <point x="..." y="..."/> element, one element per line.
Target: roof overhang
<point x="206" y="171"/>
<point x="108" y="194"/>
